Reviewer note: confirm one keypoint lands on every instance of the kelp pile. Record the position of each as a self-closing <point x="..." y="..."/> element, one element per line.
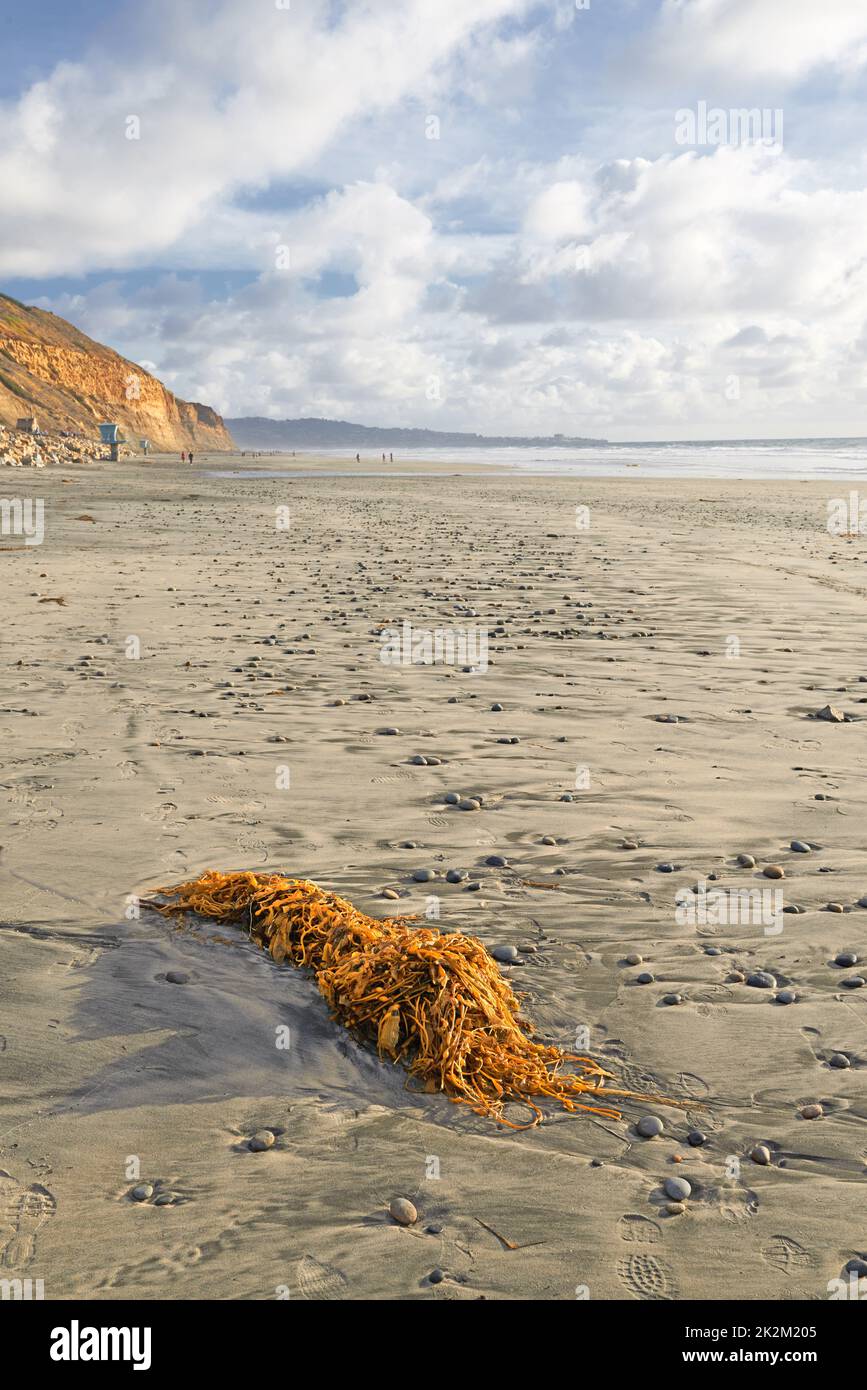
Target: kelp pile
<point x="435" y="1002"/>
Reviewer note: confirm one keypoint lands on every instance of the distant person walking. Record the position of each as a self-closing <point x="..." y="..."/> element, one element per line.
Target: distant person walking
<point x="190" y="456"/>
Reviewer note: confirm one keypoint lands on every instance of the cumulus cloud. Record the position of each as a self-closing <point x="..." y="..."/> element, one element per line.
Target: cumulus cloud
<point x="523" y="273"/>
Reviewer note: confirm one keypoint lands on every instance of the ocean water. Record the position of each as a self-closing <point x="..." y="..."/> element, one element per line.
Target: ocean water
<point x="843" y="459"/>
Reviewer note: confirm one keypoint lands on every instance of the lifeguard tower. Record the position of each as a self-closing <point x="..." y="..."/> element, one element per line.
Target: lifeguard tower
<point x="110" y="434"/>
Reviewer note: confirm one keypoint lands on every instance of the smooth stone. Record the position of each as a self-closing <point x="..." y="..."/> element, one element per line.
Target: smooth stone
<point x="862" y="902"/>
<point x="846" y="958"/>
<point x="761" y="979"/>
<point x="452" y="798"/>
<point x="773" y="871"/>
<point x="390" y="893"/>
<point x="667" y="719"/>
<point x="388" y="733"/>
<point x="834" y="907"/>
<point x="455" y="876"/>
<point x="143" y="1192"/>
<point x="548" y="840"/>
<point x="746" y="861"/>
<point x="665" y="868"/>
<point x="737" y="977"/>
<point x="761" y="1155"/>
<point x="474" y="887"/>
<point x="678" y="1189"/>
<point x="419" y="760"/>
<point x="423" y="876"/>
<point x="801" y="847"/>
<point x="496" y="861"/>
<point x="853" y="982"/>
<point x="165" y="1199"/>
<point x="496" y="709"/>
<point x="713" y="951"/>
<point x="177" y="977"/>
<point x="634" y="960"/>
<point x="695" y="1138"/>
<point x="436" y="1276"/>
<point x="433" y="1230"/>
<point x="403" y="1212"/>
<point x="567" y="796"/>
<point x="840" y="1061"/>
<point x="857" y="1266"/>
<point x="645" y="978"/>
<point x="629" y="844"/>
<point x="505" y="954"/>
<point x="261" y="1141"/>
<point x="787" y="996"/>
<point x="649" y="1126"/>
<point x="672" y="999"/>
<point x="812" y="1112"/>
<point x="469" y="805"/>
<point x="675" y="1208"/>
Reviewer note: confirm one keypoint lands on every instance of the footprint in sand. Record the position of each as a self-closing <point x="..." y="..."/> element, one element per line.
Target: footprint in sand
<point x="127" y="769"/>
<point x="639" y="1230"/>
<point x="320" y="1283"/>
<point x="646" y="1277"/>
<point x="22" y="1212"/>
<point x="787" y="1255"/>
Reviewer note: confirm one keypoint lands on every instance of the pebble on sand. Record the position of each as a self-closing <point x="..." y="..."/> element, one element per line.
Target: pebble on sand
<point x="801" y="847"/>
<point x="177" y="977"/>
<point x="746" y="861"/>
<point x="787" y="996"/>
<point x="675" y="1208"/>
<point x="143" y="1192"/>
<point x="262" y="1141"/>
<point x="812" y="1112"/>
<point x="840" y="1061"/>
<point x="761" y="1154"/>
<point x="831" y="715"/>
<point x="436" y="1276"/>
<point x="696" y="1138"/>
<point x="469" y="805"/>
<point x="403" y="1212"/>
<point x="505" y="954"/>
<point x="672" y="999"/>
<point x="845" y="958"/>
<point x="634" y="959"/>
<point x="774" y="871"/>
<point x="853" y="982"/>
<point x="423" y="875"/>
<point x="645" y="978"/>
<point x="761" y="979"/>
<point x="649" y="1126"/>
<point x="678" y="1189"/>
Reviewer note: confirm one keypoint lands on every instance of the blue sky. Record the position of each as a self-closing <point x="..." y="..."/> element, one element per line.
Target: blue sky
<point x="246" y="198"/>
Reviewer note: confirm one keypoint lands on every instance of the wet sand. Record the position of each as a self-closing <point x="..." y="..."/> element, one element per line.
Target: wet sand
<point x="143" y="743"/>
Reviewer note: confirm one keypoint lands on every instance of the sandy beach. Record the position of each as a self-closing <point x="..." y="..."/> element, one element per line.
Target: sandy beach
<point x="192" y="680"/>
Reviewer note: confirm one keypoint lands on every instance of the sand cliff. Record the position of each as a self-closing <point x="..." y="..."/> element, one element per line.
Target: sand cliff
<point x="51" y="371"/>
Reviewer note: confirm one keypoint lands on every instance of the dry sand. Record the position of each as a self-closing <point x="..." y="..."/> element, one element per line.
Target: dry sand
<point x="122" y="774"/>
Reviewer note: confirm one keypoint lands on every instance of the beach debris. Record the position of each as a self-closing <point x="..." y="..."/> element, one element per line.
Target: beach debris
<point x="435" y="1002"/>
<point x="402" y="1211"/>
<point x="504" y="1241"/>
